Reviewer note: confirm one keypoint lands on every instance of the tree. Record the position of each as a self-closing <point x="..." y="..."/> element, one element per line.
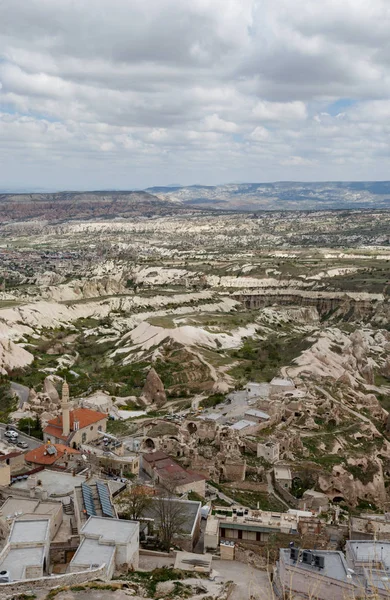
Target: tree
<point x="134" y="502"/>
<point x="170" y="515"/>
<point x="32" y="427"/>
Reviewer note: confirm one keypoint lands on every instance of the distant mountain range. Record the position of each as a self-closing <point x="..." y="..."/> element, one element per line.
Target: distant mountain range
<point x="63" y="206"/>
<point x="286" y="195"/>
<point x="283" y="195"/>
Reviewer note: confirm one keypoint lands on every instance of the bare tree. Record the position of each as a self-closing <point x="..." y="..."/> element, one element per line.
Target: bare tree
<point x="170" y="515"/>
<point x="134" y="502"/>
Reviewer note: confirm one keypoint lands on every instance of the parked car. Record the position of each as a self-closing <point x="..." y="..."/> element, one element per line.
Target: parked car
<point x="11" y="434"/>
<point x="23" y="445"/>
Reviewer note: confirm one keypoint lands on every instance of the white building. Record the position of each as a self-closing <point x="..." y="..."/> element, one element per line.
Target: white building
<point x="257" y="390"/>
<point x="283" y="476"/>
<point x="257" y="415"/>
<point x="26" y="554"/>
<point x="324" y="574"/>
<point x="270" y="451"/>
<point x="112" y="542"/>
<point x="280" y="385"/>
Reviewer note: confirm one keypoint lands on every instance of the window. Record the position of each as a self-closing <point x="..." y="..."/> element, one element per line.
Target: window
<point x="91" y="428"/>
<point x="100" y="428"/>
<point x="84" y="438"/>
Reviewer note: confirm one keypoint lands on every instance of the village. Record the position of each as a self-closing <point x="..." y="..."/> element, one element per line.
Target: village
<point x="85" y="504"/>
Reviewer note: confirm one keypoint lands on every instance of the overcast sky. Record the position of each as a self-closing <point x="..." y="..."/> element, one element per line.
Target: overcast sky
<point x="132" y="93"/>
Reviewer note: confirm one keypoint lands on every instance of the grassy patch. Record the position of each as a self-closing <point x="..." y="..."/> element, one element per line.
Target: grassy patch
<point x="261" y="360"/>
<point x="253" y="499"/>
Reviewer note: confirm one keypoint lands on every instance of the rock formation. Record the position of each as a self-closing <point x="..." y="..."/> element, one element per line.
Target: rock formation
<point x="154" y="392"/>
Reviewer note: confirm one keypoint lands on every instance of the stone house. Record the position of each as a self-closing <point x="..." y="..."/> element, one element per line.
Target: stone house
<point x="269" y="451"/>
<point x="15" y="460"/>
<point x="51" y="454"/>
<point x="283" y="477"/>
<point x="164" y="470"/>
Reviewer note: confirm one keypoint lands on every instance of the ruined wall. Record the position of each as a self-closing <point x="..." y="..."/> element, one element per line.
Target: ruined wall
<point x="235" y="471"/>
<point x="16" y="588"/>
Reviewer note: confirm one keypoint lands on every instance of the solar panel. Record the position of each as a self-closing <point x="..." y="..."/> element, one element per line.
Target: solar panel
<point x="104" y="498"/>
<point x="88" y="500"/>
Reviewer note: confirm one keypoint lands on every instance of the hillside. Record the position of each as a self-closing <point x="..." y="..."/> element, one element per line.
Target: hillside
<point x="285" y="195"/>
<point x="63" y="206"/>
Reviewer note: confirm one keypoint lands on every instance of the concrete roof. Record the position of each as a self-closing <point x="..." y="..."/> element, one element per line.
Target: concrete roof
<point x="29" y="506"/>
<point x="120" y="531"/>
<point x="91" y="552"/>
<point x="282" y="472"/>
<point x="55" y="482"/>
<point x="253" y="412"/>
<point x="15" y="504"/>
<point x="242" y="424"/>
<point x="370" y="551"/>
<point x="18" y="559"/>
<point x="34" y="531"/>
<point x="282" y="382"/>
<point x="335" y="564"/>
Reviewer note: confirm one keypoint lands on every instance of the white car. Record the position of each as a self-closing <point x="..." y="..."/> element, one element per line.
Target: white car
<point x="12" y="435"/>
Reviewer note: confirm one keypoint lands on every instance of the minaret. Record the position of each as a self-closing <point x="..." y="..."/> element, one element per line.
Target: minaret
<point x="65" y="408"/>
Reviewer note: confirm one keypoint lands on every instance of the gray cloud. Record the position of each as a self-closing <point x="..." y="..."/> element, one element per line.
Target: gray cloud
<point x="123" y="94"/>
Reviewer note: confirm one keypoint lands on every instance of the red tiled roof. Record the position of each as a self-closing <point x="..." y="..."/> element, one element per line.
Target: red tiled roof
<point x="41" y="457"/>
<point x="84" y="416"/>
<point x="168" y="469"/>
<point x="153" y="457"/>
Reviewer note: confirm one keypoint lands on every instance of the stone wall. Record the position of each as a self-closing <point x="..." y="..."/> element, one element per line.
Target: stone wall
<point x="16" y="588"/>
<point x="249" y="485"/>
<point x="234" y="470"/>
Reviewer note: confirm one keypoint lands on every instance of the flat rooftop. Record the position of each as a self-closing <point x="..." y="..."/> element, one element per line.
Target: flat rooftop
<point x="18" y="559"/>
<point x="370" y="551"/>
<point x="242" y="424"/>
<point x="15" y="507"/>
<point x="119" y="531"/>
<point x="32" y="531"/>
<point x="335" y="564"/>
<point x="91" y="552"/>
<point x="253" y="412"/>
<point x="54" y="482"/>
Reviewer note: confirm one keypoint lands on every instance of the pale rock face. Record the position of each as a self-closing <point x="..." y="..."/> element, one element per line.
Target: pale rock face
<point x="50" y="390"/>
<point x="154" y="392"/>
<point x="368" y="373"/>
<point x="341" y="483"/>
<point x="386" y="367"/>
<point x="13" y="356"/>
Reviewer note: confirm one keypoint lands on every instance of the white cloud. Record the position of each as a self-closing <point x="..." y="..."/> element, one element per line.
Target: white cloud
<point x="280" y="111"/>
<point x="167" y="90"/>
<point x="260" y="134"/>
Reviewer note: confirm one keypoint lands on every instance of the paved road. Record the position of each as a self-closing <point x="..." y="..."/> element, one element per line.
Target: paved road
<point x="21" y="391"/>
<point x="22" y="438"/>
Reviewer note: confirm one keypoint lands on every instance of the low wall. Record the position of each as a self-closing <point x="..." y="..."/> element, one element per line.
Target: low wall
<point x="16" y="588"/>
<point x="248" y="485"/>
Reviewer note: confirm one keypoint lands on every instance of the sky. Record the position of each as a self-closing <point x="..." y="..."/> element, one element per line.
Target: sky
<point x="127" y="94"/>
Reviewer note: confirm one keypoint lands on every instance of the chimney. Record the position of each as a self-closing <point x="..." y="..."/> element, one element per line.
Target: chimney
<point x="65" y="409"/>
